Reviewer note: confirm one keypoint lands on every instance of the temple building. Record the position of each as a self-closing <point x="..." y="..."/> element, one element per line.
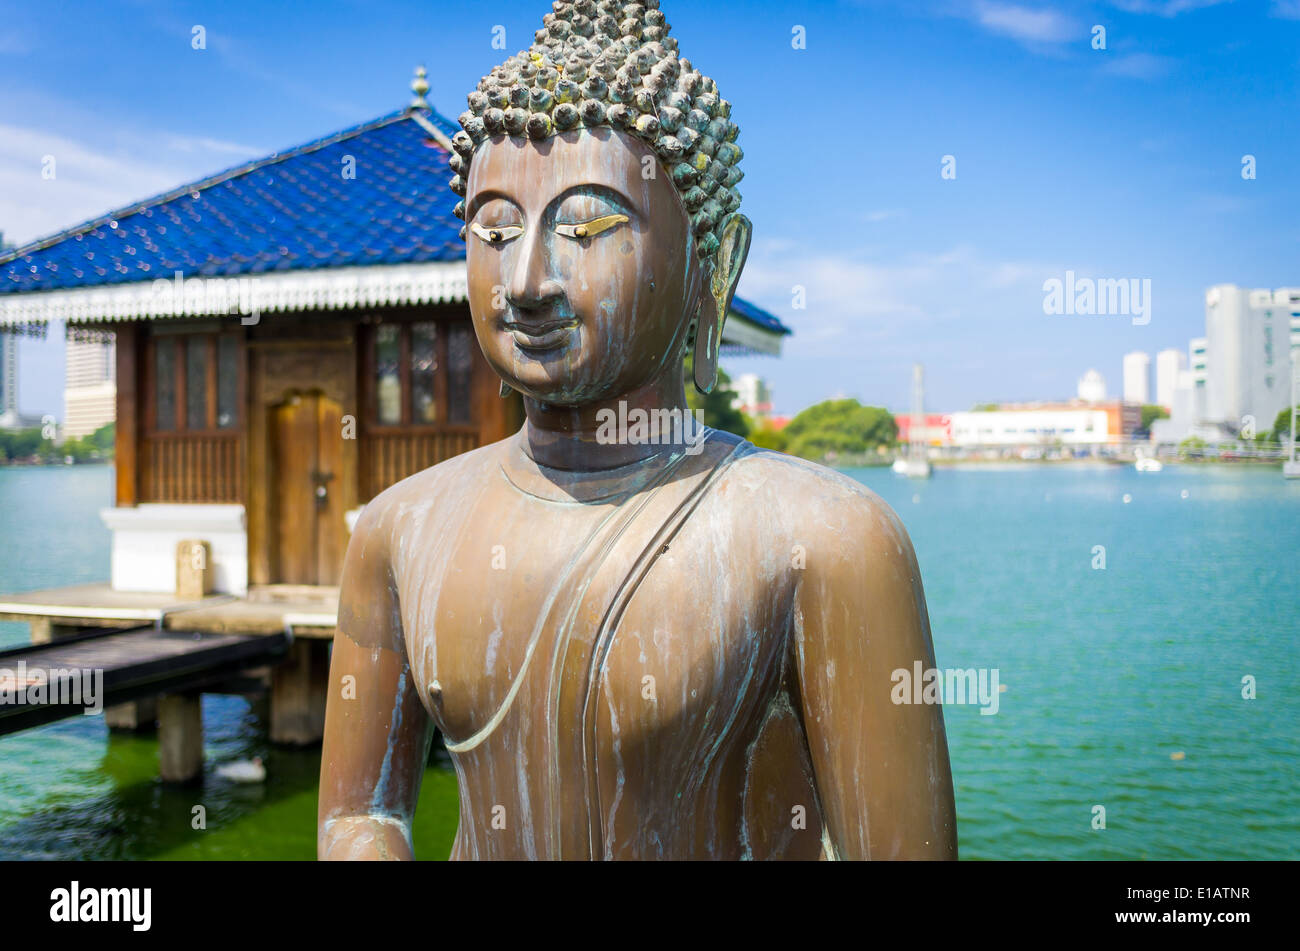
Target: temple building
<point x="291" y="337"/>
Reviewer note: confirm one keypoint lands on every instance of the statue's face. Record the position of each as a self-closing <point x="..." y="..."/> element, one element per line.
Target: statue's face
<point x="582" y="279"/>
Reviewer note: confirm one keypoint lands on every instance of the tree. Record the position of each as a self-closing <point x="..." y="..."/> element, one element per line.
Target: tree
<point x="842" y="427"/>
<point x="718" y="411"/>
<point x="23" y="443"/>
<point x="766" y="436"/>
<point x="104" y="438"/>
<point x="1282" y="425"/>
<point x="1152" y="412"/>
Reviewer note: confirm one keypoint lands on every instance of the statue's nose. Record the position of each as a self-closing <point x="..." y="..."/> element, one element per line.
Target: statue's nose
<point x="531" y="284"/>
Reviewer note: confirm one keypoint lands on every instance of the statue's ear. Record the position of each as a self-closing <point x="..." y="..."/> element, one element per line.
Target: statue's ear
<point x="716" y="295"/>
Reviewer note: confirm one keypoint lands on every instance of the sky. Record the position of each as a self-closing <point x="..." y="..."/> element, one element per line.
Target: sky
<point x="915" y="171"/>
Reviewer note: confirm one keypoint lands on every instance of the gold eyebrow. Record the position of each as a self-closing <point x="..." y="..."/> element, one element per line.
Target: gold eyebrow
<point x="594" y="227"/>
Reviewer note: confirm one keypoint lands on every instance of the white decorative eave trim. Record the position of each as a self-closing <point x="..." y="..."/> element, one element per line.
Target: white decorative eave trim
<point x="249" y="294"/>
<point x="739" y="332"/>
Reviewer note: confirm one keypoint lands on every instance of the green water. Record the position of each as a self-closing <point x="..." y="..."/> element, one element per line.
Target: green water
<point x="1107" y="673"/>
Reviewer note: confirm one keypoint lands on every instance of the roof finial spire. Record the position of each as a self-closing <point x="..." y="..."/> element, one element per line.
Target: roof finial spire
<point x="419" y="86"/>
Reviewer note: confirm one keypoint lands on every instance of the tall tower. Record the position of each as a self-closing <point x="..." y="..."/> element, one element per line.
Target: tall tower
<point x="1137" y="377"/>
<point x="1169" y="364"/>
<point x="8" y="380"/>
<point x="90" y="388"/>
<point x="1248" y="344"/>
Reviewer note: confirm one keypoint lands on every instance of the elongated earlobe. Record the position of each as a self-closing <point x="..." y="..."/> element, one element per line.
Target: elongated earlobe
<point x="707" y="344"/>
<point x="715" y="299"/>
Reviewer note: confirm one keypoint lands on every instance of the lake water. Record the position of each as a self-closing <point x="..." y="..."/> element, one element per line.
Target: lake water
<point x="1108" y="674"/>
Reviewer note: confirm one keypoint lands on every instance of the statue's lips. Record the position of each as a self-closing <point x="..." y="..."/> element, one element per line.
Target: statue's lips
<point x="541" y="336"/>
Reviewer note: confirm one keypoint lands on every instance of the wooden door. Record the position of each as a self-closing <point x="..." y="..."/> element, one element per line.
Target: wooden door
<point x="307" y="451"/>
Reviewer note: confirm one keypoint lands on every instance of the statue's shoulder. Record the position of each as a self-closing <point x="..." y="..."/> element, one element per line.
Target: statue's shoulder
<point x="803" y="495"/>
<point x="432" y="491"/>
<point x="799" y="481"/>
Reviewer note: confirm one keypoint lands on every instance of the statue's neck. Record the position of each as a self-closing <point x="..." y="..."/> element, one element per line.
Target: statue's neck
<point x="604" y="435"/>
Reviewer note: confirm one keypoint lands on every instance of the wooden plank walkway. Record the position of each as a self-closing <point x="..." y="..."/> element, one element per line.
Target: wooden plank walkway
<point x="46" y="682"/>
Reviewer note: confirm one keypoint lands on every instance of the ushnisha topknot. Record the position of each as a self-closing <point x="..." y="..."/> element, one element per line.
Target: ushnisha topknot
<point x="608" y="63"/>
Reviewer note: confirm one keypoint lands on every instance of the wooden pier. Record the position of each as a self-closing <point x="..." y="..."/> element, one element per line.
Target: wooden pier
<point x="157" y="654"/>
<point x="98" y="670"/>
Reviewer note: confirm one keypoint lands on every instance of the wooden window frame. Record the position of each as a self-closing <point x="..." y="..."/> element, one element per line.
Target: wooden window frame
<point x="441" y="391"/>
<point x="180" y="343"/>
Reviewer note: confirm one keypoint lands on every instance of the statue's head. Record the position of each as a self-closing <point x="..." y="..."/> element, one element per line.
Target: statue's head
<point x="599" y="177"/>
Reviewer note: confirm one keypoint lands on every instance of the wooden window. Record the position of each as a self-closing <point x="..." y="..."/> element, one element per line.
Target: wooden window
<point x="420" y="375"/>
<point x="460" y="370"/>
<point x="424" y="373"/>
<point x="388" y="375"/>
<point x="227" y="382"/>
<point x="164" y="401"/>
<point x="191" y="446"/>
<point x="196" y="383"/>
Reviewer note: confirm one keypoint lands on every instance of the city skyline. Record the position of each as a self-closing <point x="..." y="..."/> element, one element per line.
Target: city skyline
<point x="1112" y="164"/>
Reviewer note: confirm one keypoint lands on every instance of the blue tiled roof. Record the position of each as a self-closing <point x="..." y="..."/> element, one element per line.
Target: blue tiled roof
<point x="757" y="315"/>
<point x="288" y="211"/>
<point x="292" y="210"/>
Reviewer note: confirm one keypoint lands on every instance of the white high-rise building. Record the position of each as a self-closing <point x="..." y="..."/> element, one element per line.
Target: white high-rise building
<point x="1248" y="348"/>
<point x="8" y="381"/>
<point x="1137" y="378"/>
<point x="1198" y="364"/>
<point x="1289" y="297"/>
<point x="1169" y="364"/>
<point x="90" y="388"/>
<point x="1092" y="387"/>
<point x="753" y="395"/>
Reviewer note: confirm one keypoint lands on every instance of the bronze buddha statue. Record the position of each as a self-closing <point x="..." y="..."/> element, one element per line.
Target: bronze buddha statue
<point x="677" y="647"/>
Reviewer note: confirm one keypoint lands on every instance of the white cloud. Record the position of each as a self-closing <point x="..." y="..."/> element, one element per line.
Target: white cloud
<point x="1165" y="8"/>
<point x="860" y="296"/>
<point x="1286" y="9"/>
<point x="1026" y="24"/>
<point x="1139" y="65"/>
<point x="90" y="180"/>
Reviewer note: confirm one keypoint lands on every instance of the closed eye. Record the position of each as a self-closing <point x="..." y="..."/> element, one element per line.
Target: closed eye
<point x="498" y="235"/>
<point x="589" y="229"/>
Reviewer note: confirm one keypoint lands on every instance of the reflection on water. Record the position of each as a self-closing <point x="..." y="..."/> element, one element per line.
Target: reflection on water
<point x="1108" y="674"/>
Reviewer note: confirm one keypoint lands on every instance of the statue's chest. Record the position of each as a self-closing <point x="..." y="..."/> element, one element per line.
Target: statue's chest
<point x="585" y="626"/>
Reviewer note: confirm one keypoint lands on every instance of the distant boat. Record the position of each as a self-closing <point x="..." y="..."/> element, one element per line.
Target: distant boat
<point x="1291" y="469"/>
<point x="1146" y="464"/>
<point x="913" y="468"/>
<point x="914" y="465"/>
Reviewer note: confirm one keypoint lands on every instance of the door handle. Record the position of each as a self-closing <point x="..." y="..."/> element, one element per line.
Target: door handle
<point x="322" y="480"/>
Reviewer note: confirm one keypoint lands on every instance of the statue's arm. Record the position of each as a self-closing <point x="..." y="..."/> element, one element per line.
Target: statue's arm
<point x="881" y="768"/>
<point x="377" y="733"/>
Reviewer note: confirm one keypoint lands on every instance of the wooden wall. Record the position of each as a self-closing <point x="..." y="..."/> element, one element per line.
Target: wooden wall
<point x="327" y="353"/>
